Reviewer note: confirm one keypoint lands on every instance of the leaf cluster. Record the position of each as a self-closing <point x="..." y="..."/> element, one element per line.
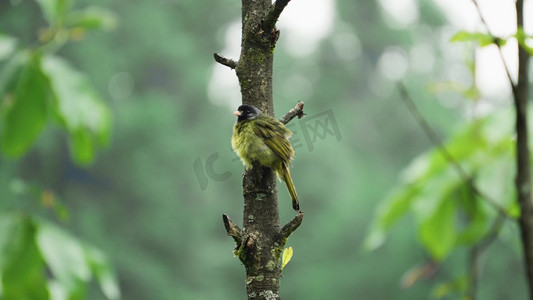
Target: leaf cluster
<point x="38" y="259"/>
<point x="448" y="211"/>
<point x="37" y="86"/>
<point x="28" y="245"/>
<point x="486" y="39"/>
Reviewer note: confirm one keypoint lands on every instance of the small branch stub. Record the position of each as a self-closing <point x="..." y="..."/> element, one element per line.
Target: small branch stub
<point x="273" y="15"/>
<point x="297" y="111"/>
<point x="232" y="229"/>
<point x="292" y="225"/>
<point x="225" y="61"/>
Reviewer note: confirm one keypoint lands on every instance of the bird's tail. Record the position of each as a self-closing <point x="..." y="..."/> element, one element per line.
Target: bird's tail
<point x="286" y="176"/>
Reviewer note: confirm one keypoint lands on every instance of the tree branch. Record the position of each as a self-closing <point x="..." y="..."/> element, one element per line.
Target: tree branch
<point x="298" y="110"/>
<point x="477" y="250"/>
<point x="523" y="167"/>
<point x="523" y="156"/>
<point x="496" y="42"/>
<point x="258" y="243"/>
<point x="434" y="138"/>
<point x="225" y="61"/>
<point x="292" y="225"/>
<point x="233" y="230"/>
<point x="273" y="15"/>
<point x="492" y="234"/>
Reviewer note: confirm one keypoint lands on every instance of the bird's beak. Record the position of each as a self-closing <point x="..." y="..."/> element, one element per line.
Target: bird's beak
<point x="238" y="113"/>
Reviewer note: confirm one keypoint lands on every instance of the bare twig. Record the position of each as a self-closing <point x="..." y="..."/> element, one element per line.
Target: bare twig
<point x="444" y="151"/>
<point x="506" y="67"/>
<point x="232" y="229"/>
<point x="292" y="225"/>
<point x="225" y="61"/>
<point x="273" y="14"/>
<point x="473" y="271"/>
<point x="298" y="110"/>
<point x="427" y="270"/>
<point x="477" y="250"/>
<point x="492" y="234"/>
<point x="523" y="168"/>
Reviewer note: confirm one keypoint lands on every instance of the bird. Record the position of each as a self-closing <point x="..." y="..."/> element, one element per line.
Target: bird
<point x="263" y="139"/>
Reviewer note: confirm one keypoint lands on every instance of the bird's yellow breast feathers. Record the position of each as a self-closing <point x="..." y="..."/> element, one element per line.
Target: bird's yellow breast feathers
<point x="262" y="140"/>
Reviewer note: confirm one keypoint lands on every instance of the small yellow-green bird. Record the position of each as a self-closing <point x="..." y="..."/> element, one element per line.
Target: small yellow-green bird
<point x="261" y="138"/>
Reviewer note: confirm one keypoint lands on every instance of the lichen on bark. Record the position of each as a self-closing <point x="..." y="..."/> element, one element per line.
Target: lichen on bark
<point x="261" y="242"/>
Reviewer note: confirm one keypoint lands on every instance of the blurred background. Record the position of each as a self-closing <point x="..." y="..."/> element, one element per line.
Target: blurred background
<point x="148" y="181"/>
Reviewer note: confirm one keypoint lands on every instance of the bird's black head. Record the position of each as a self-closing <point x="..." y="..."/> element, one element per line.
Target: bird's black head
<point x="247" y="112"/>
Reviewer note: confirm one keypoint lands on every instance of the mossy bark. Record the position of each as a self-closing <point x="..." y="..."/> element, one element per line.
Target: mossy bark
<point x="261" y="215"/>
<point x="260" y="243"/>
<point x="523" y="155"/>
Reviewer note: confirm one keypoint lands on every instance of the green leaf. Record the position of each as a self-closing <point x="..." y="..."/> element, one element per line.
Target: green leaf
<point x="103" y="272"/>
<point x="54" y="10"/>
<point x="472" y="93"/>
<point x="10" y="74"/>
<point x="514" y="210"/>
<point x="389" y="212"/>
<point x="448" y="212"/>
<point x="26" y="113"/>
<point x="494" y="179"/>
<point x="8" y="228"/>
<point x="430" y="169"/>
<point x="92" y="18"/>
<point x="79" y="109"/>
<point x="484" y="39"/>
<point x="472" y="216"/>
<point x="522" y="38"/>
<point x="461" y="146"/>
<point x="81" y="146"/>
<point x="21" y="265"/>
<point x="8" y="45"/>
<point x="457" y="286"/>
<point x="286" y="257"/>
<point x="65" y="256"/>
<point x="437" y="232"/>
<point x="436" y="215"/>
<point x="73" y="264"/>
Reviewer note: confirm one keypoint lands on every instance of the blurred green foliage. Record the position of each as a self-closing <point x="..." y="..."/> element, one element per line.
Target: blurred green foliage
<point x="450" y="214"/>
<point x="38" y="259"/>
<point x="30" y="244"/>
<point x="38" y="86"/>
<point x="153" y="199"/>
<point x="435" y="191"/>
<point x="460" y="192"/>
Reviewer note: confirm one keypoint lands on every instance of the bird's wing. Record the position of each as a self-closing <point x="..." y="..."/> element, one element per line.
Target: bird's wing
<point x="275" y="137"/>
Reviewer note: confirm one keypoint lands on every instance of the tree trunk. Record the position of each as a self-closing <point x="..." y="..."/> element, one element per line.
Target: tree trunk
<point x="260" y="243"/>
<point x="523" y="174"/>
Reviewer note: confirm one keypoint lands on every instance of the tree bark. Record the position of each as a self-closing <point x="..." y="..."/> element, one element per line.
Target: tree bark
<point x="523" y="173"/>
<point x="260" y="243"/>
